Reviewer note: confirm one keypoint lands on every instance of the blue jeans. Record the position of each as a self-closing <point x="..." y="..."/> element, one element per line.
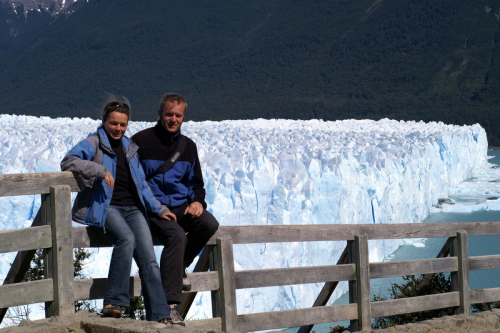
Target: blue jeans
<point x="128" y="231"/>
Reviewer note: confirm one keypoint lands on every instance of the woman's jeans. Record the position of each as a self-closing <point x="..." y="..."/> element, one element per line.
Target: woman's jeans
<point x="127" y="229"/>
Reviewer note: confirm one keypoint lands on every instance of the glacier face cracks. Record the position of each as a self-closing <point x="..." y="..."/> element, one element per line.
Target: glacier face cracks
<point x="280" y="172"/>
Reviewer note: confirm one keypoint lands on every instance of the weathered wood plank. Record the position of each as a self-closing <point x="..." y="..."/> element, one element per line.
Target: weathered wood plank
<point x="203" y="281"/>
<point x="202" y="265"/>
<point x="26" y="293"/>
<point x="338" y="232"/>
<point x="23" y="258"/>
<point x="485" y="295"/>
<point x="85" y="289"/>
<point x="205" y="325"/>
<point x="460" y="280"/>
<point x="87" y="237"/>
<point x="46" y="213"/>
<point x="35" y="183"/>
<point x="326" y="292"/>
<point x="135" y="287"/>
<point x="213" y="263"/>
<point x="20" y="265"/>
<point x="412" y="267"/>
<point x="290" y="318"/>
<point x="484" y="262"/>
<point x="295" y="275"/>
<point x="415" y="304"/>
<point x="62" y="250"/>
<point x="25" y="239"/>
<point x="227" y="283"/>
<point x="353" y="287"/>
<point x="361" y="296"/>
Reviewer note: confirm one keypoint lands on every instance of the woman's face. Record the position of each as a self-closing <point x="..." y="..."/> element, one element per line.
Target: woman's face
<point x="116" y="125"/>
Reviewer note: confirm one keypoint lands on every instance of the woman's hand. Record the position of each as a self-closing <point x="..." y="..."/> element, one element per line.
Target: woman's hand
<point x="110" y="181"/>
<point x="170" y="216"/>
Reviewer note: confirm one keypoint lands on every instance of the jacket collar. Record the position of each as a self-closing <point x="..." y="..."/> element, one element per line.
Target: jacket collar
<point x="103" y="138"/>
<point x="166" y="138"/>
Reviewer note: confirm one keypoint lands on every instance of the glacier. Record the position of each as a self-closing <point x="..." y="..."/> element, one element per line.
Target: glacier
<point x="280" y="172"/>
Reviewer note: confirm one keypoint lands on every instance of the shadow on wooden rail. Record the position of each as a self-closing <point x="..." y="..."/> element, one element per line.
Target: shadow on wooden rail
<point x="52" y="231"/>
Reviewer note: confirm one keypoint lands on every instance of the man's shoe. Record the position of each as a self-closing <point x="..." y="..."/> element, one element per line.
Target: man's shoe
<point x="186" y="284"/>
<point x="111" y="310"/>
<point x="169" y="322"/>
<point x="175" y="316"/>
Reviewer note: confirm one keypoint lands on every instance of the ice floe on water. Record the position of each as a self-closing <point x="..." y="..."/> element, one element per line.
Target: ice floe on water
<point x="478" y="193"/>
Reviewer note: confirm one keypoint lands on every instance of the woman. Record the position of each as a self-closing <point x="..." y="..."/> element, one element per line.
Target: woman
<point x="114" y="198"/>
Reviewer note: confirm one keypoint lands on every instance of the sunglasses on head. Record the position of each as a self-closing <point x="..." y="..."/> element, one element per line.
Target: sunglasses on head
<point x="113" y="104"/>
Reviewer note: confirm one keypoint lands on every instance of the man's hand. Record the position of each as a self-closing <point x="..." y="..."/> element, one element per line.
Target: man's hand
<point x="170" y="216"/>
<point x="195" y="209"/>
<point x="110" y="181"/>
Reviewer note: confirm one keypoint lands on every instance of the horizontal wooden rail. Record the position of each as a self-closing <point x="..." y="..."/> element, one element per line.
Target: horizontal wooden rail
<point x="414" y="304"/>
<point x="90" y="238"/>
<point x="25" y="239"/>
<point x="485" y="295"/>
<point x="206" y="281"/>
<point x="86" y="237"/>
<point x="413" y="267"/>
<point x="298" y="317"/>
<point x="296" y="275"/>
<point x="484" y="262"/>
<point x="342" y="232"/>
<point x="31" y="292"/>
<point x="85" y="289"/>
<point x="35" y="183"/>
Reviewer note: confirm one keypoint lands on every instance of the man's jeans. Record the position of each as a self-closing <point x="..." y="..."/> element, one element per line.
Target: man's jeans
<point x="127" y="229"/>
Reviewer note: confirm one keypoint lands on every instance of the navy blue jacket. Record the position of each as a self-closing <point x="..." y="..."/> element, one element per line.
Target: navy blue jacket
<point x="184" y="181"/>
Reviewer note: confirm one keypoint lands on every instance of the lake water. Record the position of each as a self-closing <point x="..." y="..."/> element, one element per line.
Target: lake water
<point x="430" y="247"/>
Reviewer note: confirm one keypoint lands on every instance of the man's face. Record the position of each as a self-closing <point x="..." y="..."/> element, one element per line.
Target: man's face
<point x="172" y="116"/>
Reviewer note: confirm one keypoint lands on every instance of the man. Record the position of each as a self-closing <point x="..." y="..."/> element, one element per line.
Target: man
<point x="181" y="189"/>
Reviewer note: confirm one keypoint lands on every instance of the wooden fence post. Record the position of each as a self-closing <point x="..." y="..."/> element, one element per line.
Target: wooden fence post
<point x="59" y="259"/>
<point x="214" y="267"/>
<point x="359" y="290"/>
<point x="227" y="283"/>
<point x="46" y="217"/>
<point x="460" y="280"/>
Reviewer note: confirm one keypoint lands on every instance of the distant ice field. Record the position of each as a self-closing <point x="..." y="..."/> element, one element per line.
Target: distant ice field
<point x="280" y="172"/>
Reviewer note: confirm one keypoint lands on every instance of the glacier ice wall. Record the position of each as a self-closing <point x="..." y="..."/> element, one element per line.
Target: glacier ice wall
<point x="280" y="172"/>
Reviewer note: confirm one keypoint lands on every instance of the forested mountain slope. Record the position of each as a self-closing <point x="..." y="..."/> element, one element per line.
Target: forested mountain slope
<point x="330" y="59"/>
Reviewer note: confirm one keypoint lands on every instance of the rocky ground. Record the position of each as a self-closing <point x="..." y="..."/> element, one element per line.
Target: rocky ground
<point x="483" y="322"/>
<point x="85" y="322"/>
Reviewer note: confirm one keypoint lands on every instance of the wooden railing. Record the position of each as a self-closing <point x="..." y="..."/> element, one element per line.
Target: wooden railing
<point x="215" y="272"/>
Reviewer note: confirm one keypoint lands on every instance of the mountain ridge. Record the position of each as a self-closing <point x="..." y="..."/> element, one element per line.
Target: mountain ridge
<point x="431" y="61"/>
